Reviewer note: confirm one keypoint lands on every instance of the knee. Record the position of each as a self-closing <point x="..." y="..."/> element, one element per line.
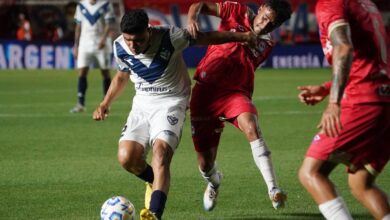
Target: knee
<point x="306" y="177"/>
<point x="250" y="130"/>
<point x="206" y="166"/>
<point x="129" y="162"/>
<point x="303" y="176"/>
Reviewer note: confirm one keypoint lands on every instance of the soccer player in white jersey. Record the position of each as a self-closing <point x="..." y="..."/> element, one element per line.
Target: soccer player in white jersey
<point x="152" y="58"/>
<point x="93" y="24"/>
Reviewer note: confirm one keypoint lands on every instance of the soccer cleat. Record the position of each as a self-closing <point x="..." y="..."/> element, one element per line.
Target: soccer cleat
<point x="78" y="108"/>
<point x="278" y="197"/>
<point x="148" y="194"/>
<point x="210" y="195"/>
<point x="146" y="214"/>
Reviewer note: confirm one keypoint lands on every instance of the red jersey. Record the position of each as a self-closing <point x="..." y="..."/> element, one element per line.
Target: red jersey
<point x="231" y="66"/>
<point x="369" y="78"/>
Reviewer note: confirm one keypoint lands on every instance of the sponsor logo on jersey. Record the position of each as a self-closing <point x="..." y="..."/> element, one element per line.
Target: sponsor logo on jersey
<point x="316" y="138"/>
<point x="172" y="119"/>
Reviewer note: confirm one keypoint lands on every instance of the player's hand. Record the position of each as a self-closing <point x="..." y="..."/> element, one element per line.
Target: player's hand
<point x="330" y="123"/>
<point x="100" y="113"/>
<point x="193" y="28"/>
<point x="101" y="44"/>
<point x="251" y="39"/>
<point x="312" y="94"/>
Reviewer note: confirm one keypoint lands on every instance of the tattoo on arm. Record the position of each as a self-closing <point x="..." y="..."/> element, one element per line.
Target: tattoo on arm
<point x="342" y="61"/>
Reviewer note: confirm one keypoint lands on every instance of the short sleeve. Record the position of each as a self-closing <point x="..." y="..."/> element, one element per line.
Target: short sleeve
<point x="180" y="38"/>
<point x="121" y="66"/>
<point x="77" y="15"/>
<point x="329" y="14"/>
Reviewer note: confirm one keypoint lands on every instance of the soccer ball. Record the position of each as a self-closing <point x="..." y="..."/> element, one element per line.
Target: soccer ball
<point x="117" y="208"/>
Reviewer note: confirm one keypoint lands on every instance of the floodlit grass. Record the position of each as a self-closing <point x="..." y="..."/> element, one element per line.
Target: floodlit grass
<point x="57" y="165"/>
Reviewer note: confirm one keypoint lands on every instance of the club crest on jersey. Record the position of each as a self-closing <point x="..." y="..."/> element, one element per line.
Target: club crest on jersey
<point x="384" y="90"/>
<point x="261" y="46"/>
<point x="316" y="138"/>
<point x="241" y="28"/>
<point x="165" y="54"/>
<point x="172" y="119"/>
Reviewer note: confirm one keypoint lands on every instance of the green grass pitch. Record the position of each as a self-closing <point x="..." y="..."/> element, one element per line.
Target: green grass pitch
<point x="57" y="165"/>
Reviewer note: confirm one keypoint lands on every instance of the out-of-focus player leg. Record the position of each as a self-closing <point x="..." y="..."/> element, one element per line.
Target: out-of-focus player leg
<point x="104" y="61"/>
<point x="106" y="80"/>
<point x="363" y="188"/>
<point x="314" y="176"/>
<point x="83" y="61"/>
<point x="82" y="86"/>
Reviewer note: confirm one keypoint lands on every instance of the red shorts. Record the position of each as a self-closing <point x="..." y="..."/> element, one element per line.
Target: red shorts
<point x="210" y="107"/>
<point x="363" y="142"/>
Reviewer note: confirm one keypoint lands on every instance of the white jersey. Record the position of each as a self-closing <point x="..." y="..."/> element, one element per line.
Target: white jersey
<point x="161" y="69"/>
<point x="93" y="19"/>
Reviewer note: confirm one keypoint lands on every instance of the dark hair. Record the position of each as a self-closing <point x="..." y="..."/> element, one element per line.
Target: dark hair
<point x="134" y="22"/>
<point x="282" y="9"/>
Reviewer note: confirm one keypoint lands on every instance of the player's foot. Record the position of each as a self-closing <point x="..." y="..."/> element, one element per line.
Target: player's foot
<point x="148" y="194"/>
<point x="210" y="195"/>
<point x="78" y="108"/>
<point x="278" y="197"/>
<point x="146" y="214"/>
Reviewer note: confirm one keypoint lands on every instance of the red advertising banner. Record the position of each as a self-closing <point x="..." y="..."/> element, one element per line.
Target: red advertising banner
<point x="301" y="28"/>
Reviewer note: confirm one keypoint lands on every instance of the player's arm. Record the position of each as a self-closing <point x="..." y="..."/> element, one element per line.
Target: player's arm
<point x="106" y="31"/>
<point x="195" y="10"/>
<point x="216" y="37"/>
<point x="77" y="33"/>
<point x="340" y="37"/>
<point x="116" y="88"/>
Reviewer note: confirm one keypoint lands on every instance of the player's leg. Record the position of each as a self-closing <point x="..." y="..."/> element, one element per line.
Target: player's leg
<point x="205" y="136"/>
<point x="314" y="176"/>
<point x="161" y="160"/>
<point x="131" y="157"/>
<point x="166" y="118"/>
<point x="83" y="60"/>
<point x="209" y="171"/>
<point x="133" y="148"/>
<point x="103" y="58"/>
<point x="363" y="188"/>
<point x="106" y="80"/>
<point x="206" y="133"/>
<point x="248" y="124"/>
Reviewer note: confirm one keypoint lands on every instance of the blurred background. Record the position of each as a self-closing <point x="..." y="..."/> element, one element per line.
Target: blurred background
<point x="48" y="39"/>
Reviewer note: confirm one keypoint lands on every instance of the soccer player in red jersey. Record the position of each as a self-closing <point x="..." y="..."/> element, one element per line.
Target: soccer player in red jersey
<point x="355" y="126"/>
<point x="224" y="87"/>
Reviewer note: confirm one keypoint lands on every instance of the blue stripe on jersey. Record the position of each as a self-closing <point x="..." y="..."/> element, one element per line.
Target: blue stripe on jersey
<point x="158" y="65"/>
<point x="92" y="18"/>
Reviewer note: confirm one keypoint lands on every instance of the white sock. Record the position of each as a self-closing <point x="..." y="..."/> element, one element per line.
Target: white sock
<point x="386" y="217"/>
<point x="211" y="176"/>
<point x="262" y="157"/>
<point x="335" y="209"/>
